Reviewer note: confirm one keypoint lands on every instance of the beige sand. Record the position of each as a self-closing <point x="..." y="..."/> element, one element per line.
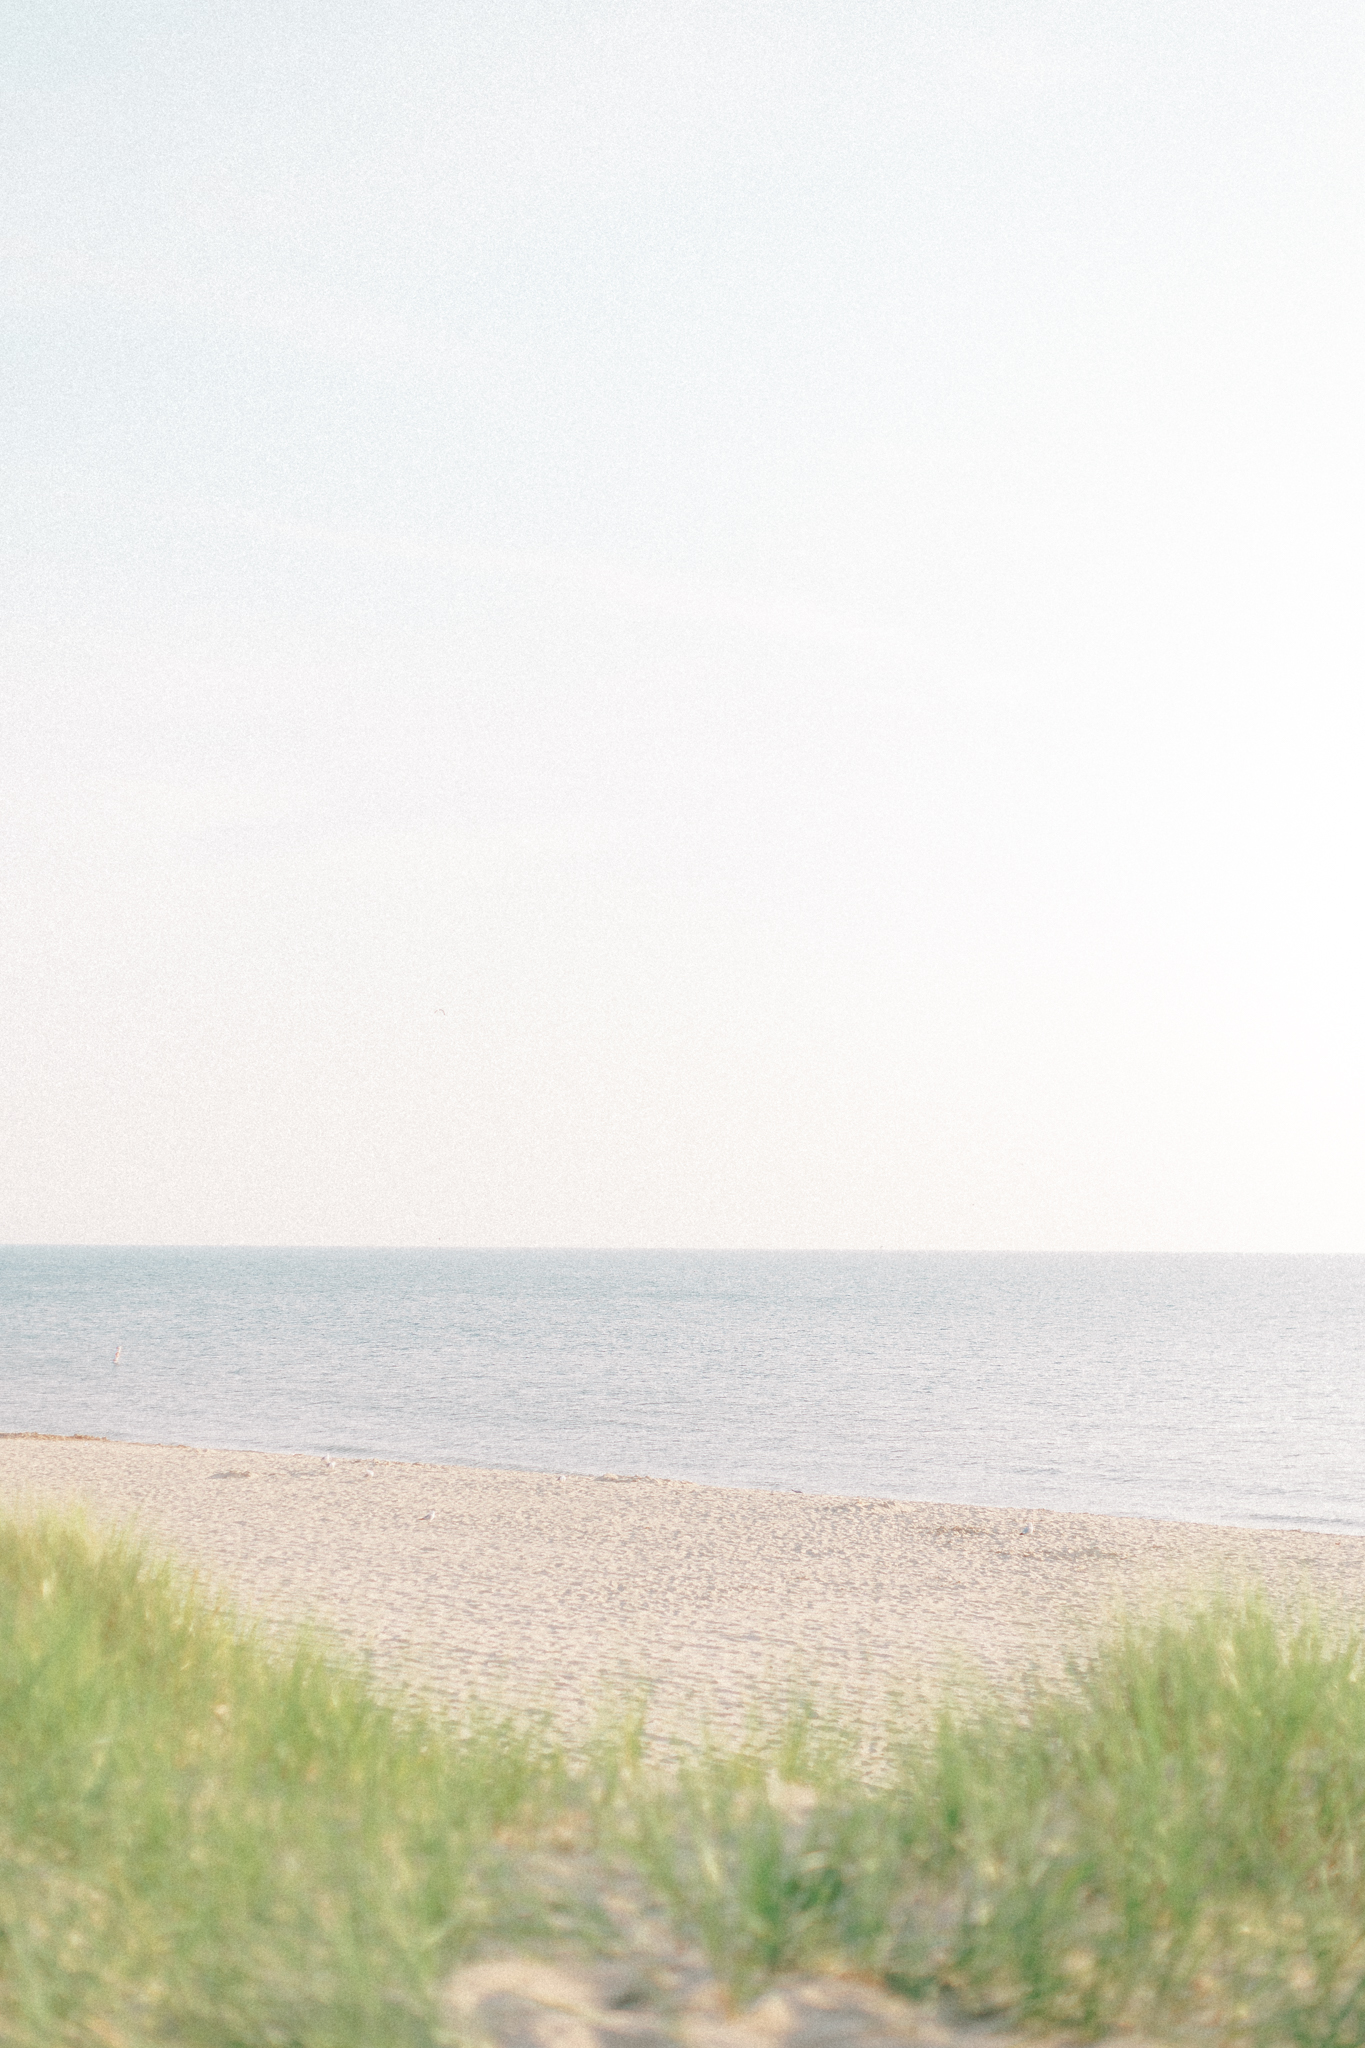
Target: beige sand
<point x="540" y="1589"/>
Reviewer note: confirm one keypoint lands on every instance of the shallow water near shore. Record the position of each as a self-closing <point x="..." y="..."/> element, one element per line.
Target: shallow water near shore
<point x="1215" y="1389"/>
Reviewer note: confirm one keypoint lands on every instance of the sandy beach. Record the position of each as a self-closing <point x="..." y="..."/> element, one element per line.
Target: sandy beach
<point x="546" y="1590"/>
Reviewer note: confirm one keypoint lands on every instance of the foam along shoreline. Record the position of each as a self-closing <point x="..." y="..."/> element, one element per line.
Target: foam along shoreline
<point x="546" y="1589"/>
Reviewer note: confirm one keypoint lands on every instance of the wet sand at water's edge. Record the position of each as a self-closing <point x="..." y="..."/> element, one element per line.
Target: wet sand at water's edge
<point x="536" y="1589"/>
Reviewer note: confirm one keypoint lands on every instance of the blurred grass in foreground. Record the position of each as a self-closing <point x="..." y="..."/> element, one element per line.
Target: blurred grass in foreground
<point x="206" y="1838"/>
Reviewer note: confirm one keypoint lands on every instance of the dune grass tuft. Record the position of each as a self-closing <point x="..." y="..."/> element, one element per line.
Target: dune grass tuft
<point x="1173" y="1841"/>
<point x="211" y="1837"/>
<point x="206" y="1838"/>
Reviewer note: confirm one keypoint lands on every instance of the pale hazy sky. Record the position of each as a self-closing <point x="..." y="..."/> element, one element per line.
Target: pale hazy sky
<point x="683" y="624"/>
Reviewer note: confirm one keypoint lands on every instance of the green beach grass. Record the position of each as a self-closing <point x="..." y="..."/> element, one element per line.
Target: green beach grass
<point x="208" y="1836"/>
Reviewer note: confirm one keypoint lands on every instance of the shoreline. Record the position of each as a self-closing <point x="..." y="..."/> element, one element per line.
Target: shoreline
<point x="542" y="1590"/>
<point x="376" y="1458"/>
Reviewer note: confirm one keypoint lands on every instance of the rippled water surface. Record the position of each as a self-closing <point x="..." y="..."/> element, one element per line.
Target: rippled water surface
<point x="1213" y="1389"/>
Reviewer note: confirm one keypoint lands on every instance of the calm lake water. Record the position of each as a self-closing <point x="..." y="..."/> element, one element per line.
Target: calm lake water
<point x="1210" y="1389"/>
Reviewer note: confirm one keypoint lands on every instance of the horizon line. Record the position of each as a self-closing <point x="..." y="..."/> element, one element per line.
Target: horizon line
<point x="688" y="1250"/>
